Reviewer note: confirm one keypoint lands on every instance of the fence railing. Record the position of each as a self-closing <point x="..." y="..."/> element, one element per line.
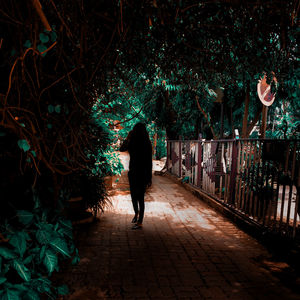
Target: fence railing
<point x="260" y="179"/>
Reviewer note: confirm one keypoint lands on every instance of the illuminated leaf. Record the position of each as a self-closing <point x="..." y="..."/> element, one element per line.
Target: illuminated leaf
<point x="23" y="271"/>
<point x="23" y="144"/>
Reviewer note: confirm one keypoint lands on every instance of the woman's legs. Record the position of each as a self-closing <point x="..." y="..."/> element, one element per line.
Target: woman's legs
<point x="141" y="207"/>
<point x="137" y="191"/>
<point x="137" y="197"/>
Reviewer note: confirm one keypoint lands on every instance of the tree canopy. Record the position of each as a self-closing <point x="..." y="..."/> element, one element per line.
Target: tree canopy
<point x="68" y="68"/>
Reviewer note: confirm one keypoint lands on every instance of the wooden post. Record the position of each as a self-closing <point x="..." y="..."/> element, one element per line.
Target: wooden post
<point x="199" y="173"/>
<point x="233" y="172"/>
<point x="264" y="122"/>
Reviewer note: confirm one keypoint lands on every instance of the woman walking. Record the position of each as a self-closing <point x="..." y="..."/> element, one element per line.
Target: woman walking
<point x="139" y="147"/>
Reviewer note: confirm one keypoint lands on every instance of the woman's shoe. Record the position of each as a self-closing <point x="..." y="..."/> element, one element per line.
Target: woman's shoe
<point x="137" y="226"/>
<point x="134" y="220"/>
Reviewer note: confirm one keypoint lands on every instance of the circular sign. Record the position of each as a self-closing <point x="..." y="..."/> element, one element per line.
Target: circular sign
<point x="264" y="91"/>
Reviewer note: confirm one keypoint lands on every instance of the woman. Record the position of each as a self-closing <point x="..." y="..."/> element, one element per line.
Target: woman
<point x="139" y="147"/>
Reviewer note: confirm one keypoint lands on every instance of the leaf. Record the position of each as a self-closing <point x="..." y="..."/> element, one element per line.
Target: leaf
<point x="62" y="290"/>
<point x="65" y="232"/>
<point x="50" y="108"/>
<point x="58" y="109"/>
<point x="41" y="48"/>
<point x="23" y="144"/>
<point x="42" y="285"/>
<point x="2" y="279"/>
<point x="11" y="294"/>
<point x="28" y="260"/>
<point x="33" y="153"/>
<point x="53" y="36"/>
<point x="23" y="271"/>
<point x="76" y="258"/>
<point x="50" y="260"/>
<point x="49" y="126"/>
<point x="66" y="223"/>
<point x="18" y="240"/>
<point x="25" y="217"/>
<point x="44" y="38"/>
<point x="42" y="252"/>
<point x="20" y="287"/>
<point x="43" y="236"/>
<point x="61" y="246"/>
<point x="31" y="295"/>
<point x="7" y="253"/>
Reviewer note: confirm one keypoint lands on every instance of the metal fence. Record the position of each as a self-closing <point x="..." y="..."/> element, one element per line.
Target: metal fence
<point x="260" y="179"/>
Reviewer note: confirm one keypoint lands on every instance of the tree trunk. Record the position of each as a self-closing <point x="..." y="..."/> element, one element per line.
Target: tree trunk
<point x="264" y="122"/>
<point x="246" y="111"/>
<point x="206" y="118"/>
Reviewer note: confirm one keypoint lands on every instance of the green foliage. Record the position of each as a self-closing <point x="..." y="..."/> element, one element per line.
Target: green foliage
<point x="23" y="144"/>
<point x="44" y="38"/>
<point x="37" y="242"/>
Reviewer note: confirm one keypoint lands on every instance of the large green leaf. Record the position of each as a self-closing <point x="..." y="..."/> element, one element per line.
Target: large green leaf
<point x="11" y="294"/>
<point x="7" y="253"/>
<point x="50" y="260"/>
<point x="65" y="232"/>
<point x="25" y="217"/>
<point x="42" y="285"/>
<point x="43" y="236"/>
<point x="18" y="240"/>
<point x="61" y="246"/>
<point x="23" y="271"/>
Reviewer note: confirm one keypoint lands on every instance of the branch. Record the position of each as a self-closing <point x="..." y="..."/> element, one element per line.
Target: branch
<point x="206" y="117"/>
<point x="38" y="7"/>
<point x="134" y="116"/>
<point x="56" y="81"/>
<point x="255" y="120"/>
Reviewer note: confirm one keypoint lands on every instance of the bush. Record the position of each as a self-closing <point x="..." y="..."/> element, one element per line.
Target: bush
<point x="33" y="245"/>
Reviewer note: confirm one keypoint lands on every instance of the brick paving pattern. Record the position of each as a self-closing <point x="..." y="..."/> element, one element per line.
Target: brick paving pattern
<point x="185" y="250"/>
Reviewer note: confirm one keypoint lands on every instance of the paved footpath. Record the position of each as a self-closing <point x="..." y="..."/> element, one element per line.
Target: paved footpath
<point x="185" y="250"/>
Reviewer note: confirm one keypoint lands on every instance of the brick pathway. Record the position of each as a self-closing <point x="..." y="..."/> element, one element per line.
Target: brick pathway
<point x="186" y="250"/>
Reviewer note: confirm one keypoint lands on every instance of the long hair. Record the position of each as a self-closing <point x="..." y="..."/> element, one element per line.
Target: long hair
<point x="140" y="150"/>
